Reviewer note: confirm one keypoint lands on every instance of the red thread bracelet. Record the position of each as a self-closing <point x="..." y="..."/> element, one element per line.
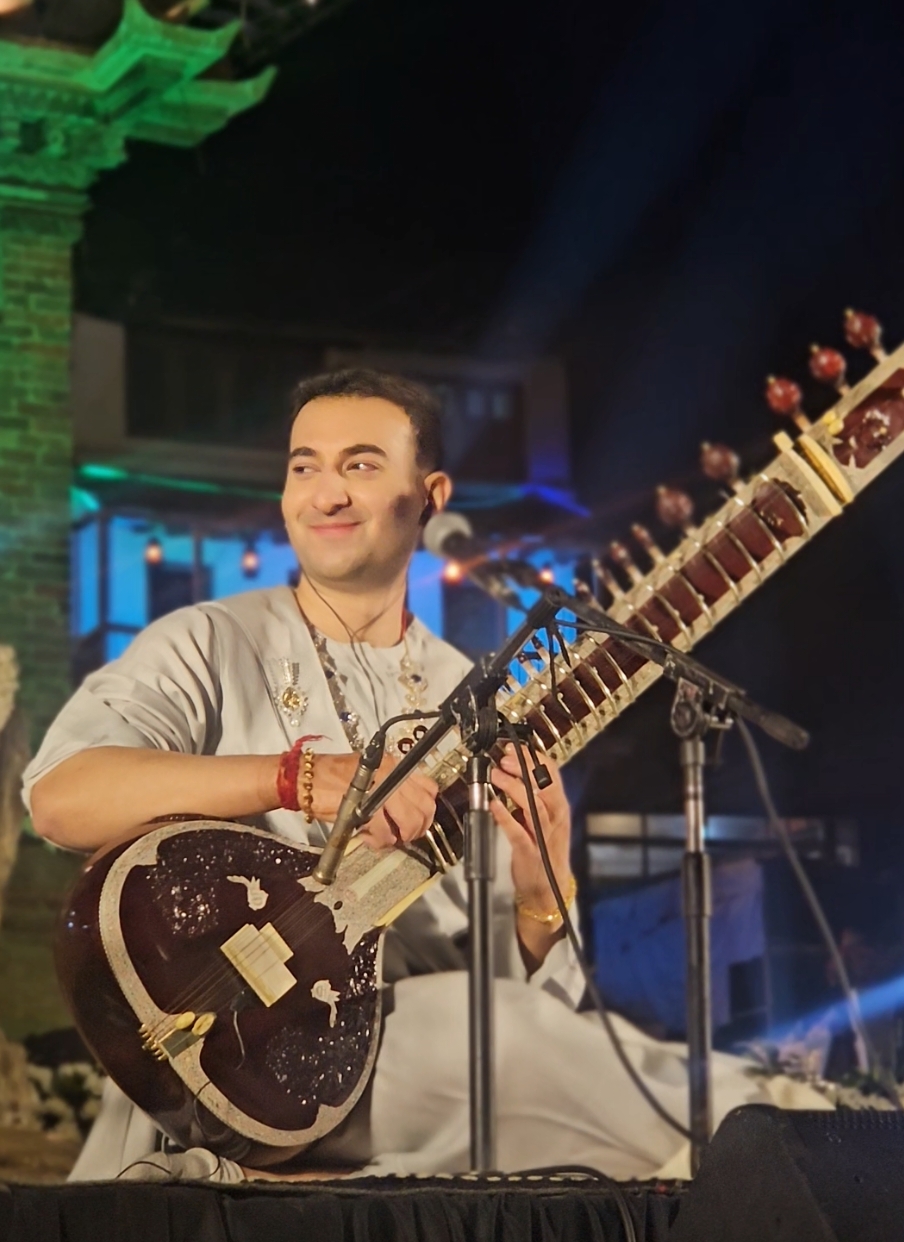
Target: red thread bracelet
<point x="287" y="773"/>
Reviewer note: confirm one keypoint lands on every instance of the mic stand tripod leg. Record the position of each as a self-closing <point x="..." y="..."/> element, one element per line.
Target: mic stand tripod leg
<point x="480" y="872"/>
<point x="696" y="889"/>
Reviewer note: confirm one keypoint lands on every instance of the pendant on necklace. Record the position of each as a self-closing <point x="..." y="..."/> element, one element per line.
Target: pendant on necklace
<point x="287" y="693"/>
<point x="412" y="682"/>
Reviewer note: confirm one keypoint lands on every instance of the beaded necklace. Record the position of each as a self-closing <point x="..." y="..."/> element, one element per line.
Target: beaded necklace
<point x="411" y="678"/>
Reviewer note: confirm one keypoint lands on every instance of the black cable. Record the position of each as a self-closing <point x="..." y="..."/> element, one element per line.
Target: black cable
<point x="354" y="637"/>
<point x="780" y="830"/>
<point x="387" y="724"/>
<point x="621" y="1199"/>
<point x="592" y="988"/>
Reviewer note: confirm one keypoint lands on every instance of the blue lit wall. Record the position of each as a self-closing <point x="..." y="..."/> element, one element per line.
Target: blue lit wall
<point x="128" y="605"/>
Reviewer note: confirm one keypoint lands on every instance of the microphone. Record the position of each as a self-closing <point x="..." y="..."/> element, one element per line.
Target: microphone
<point x="451" y="537"/>
<point x="346" y="820"/>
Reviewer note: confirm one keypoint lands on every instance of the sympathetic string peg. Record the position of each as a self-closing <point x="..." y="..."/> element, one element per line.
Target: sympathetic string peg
<point x="864" y="332"/>
<point x="622" y="558"/>
<point x="643" y="537"/>
<point x="829" y="366"/>
<point x="674" y="508"/>
<point x="583" y="592"/>
<point x="784" y="397"/>
<point x="719" y="462"/>
<point x="604" y="578"/>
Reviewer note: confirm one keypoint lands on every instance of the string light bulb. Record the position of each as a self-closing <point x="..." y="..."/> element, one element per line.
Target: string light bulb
<point x="452" y="572"/>
<point x="251" y="561"/>
<point x="153" y="551"/>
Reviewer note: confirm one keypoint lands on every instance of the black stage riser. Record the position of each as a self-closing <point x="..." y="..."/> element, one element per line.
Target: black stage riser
<point x="366" y="1210"/>
<point x="776" y="1176"/>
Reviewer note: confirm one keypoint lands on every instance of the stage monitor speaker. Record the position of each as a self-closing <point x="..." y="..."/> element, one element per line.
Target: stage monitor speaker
<point x="771" y="1175"/>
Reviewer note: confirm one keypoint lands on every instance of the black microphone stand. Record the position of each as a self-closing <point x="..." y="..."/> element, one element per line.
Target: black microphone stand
<point x="480" y="728"/>
<point x="471" y="707"/>
<point x="704" y="700"/>
<point x="691" y="720"/>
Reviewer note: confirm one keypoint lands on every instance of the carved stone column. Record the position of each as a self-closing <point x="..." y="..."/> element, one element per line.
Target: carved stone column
<point x="66" y="114"/>
<point x="13" y="757"/>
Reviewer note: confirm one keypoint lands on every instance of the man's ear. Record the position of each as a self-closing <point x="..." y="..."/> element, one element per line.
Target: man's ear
<point x="438" y="487"/>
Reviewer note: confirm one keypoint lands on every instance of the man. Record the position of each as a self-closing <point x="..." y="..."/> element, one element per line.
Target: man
<point x="193" y="718"/>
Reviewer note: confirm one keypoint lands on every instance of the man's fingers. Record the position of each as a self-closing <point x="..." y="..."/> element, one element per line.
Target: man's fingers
<point x="407" y="814"/>
<point x="518" y="835"/>
<point x="509" y="763"/>
<point x="378" y="833"/>
<point x="515" y="788"/>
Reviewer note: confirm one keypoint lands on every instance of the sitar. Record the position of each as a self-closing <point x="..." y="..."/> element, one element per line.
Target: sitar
<point x="238" y="1001"/>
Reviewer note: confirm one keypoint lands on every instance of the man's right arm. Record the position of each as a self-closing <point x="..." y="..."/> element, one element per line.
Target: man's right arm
<point x="104" y="793"/>
<point x="108" y="792"/>
<point x="129" y="749"/>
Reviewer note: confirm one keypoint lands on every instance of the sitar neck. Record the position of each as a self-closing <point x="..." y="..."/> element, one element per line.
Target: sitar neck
<point x="683" y="594"/>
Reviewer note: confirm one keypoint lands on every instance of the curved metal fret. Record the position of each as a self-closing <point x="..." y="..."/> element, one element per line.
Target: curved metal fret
<point x="764" y="526"/>
<point x="673" y="613"/>
<point x="610" y="697"/>
<point x="722" y="572"/>
<point x="742" y="548"/>
<point x="591" y="706"/>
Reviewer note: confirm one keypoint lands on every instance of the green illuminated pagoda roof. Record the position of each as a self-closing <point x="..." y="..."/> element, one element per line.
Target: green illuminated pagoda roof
<point x="65" y="113"/>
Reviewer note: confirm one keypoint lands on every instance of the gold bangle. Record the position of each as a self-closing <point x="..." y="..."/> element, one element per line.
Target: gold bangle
<point x="307" y="786"/>
<point x="552" y="916"/>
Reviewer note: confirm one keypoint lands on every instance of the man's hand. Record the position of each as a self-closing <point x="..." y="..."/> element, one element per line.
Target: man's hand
<point x="528" y="873"/>
<point x="406" y="814"/>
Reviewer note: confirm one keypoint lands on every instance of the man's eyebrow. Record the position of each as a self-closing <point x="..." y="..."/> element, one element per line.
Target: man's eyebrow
<point x="364" y="448"/>
<point x="352" y="451"/>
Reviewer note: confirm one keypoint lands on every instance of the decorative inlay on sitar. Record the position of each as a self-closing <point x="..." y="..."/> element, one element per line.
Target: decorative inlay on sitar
<point x="235" y="999"/>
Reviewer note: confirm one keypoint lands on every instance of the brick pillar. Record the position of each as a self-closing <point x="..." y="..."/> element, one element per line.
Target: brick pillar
<point x="66" y="114"/>
<point x="36" y="443"/>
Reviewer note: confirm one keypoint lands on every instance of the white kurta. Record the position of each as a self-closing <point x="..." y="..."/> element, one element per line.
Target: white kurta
<point x="207" y="680"/>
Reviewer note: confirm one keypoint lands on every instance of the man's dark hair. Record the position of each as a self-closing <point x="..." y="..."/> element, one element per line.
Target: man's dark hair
<point x="418" y="402"/>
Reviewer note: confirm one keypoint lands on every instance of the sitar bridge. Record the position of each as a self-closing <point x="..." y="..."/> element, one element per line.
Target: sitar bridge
<point x="185" y="1029"/>
<point x="260" y="954"/>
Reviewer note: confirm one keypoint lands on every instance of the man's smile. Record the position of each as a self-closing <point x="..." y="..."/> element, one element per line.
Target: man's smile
<point x="334" y="530"/>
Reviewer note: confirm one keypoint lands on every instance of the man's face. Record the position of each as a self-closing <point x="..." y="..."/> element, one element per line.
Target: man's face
<point x="354" y="493"/>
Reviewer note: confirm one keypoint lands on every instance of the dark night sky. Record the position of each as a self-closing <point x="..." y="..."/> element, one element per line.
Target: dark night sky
<point x="676" y="199"/>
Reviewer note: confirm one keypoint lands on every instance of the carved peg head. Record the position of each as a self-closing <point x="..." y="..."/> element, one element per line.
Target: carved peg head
<point x="863" y="332"/>
<point x="719" y="462"/>
<point x="674" y="508"/>
<point x="828" y="366"/>
<point x="784" y="397"/>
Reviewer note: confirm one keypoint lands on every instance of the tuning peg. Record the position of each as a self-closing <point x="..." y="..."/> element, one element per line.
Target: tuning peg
<point x="643" y="537"/>
<point x="784" y="397"/>
<point x="622" y="558"/>
<point x="829" y="366"/>
<point x="606" y="579"/>
<point x="864" y="332"/>
<point x="674" y="508"/>
<point x="719" y="462"/>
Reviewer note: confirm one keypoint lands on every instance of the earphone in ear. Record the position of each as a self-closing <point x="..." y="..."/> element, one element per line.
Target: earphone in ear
<point x="427" y="512"/>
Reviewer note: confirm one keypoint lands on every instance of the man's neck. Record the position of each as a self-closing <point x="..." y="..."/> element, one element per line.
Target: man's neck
<point x="374" y="616"/>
